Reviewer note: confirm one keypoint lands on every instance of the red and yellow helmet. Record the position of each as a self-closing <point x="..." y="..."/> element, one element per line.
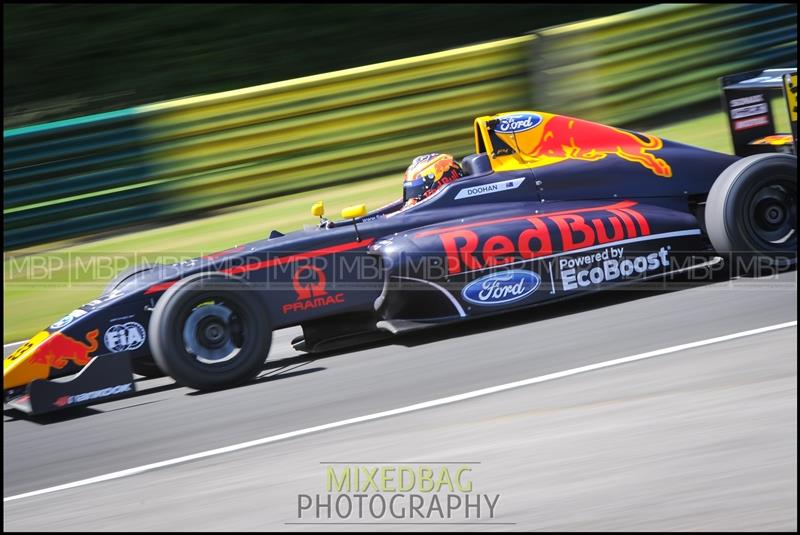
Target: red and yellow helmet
<point x="427" y="174"/>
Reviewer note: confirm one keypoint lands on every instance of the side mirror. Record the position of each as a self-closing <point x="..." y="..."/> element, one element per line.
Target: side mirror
<point x="318" y="209"/>
<point x="352" y="212"/>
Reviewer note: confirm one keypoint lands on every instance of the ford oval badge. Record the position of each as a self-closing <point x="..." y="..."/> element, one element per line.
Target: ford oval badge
<point x="501" y="288"/>
<point x="518" y="122"/>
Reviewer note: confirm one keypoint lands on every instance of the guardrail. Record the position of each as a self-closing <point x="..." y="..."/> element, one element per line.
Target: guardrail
<point x="641" y="63"/>
<point x="77" y="176"/>
<point x="92" y="173"/>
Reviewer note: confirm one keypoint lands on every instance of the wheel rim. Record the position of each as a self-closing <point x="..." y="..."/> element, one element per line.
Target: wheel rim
<point x="212" y="332"/>
<point x="771" y="215"/>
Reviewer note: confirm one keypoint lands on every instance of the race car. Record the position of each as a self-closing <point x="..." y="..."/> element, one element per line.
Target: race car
<point x="549" y="207"/>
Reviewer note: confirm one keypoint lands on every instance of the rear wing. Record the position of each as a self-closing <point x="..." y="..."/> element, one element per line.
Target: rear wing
<point x="747" y="102"/>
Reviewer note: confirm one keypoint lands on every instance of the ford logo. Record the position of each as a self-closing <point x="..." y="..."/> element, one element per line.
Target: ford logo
<point x="501" y="288"/>
<point x="520" y="122"/>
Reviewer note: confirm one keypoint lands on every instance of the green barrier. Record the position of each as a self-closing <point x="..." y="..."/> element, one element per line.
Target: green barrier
<point x="657" y="59"/>
<point x="79" y="176"/>
<point x="74" y="177"/>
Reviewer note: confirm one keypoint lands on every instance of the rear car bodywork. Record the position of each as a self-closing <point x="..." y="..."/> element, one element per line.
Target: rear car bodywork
<point x="749" y="107"/>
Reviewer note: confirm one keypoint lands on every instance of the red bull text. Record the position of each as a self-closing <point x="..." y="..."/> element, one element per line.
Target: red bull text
<point x="531" y="237"/>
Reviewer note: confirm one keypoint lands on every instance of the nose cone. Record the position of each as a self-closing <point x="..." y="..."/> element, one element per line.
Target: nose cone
<point x="22" y="366"/>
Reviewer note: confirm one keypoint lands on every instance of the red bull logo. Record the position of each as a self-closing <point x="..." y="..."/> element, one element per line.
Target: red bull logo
<point x="45" y="352"/>
<point x="309" y="284"/>
<point x="470" y="247"/>
<point x="560" y="138"/>
<point x="59" y="349"/>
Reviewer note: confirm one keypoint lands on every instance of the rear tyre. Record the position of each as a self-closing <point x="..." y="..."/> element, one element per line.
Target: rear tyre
<point x="210" y="331"/>
<point x="751" y="213"/>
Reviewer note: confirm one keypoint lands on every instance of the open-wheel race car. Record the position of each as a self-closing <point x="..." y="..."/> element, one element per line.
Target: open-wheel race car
<point x="549" y="207"/>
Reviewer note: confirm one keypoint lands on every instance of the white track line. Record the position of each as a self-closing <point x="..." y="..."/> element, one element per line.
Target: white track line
<point x="14" y="344"/>
<point x="401" y="410"/>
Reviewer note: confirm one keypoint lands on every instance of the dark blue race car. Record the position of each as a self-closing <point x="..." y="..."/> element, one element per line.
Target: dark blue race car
<point x="549" y="207"/>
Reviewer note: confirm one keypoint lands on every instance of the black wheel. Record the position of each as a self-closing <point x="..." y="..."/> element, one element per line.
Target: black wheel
<point x="751" y="211"/>
<point x="124" y="276"/>
<point x="210" y="331"/>
<point x="146" y="367"/>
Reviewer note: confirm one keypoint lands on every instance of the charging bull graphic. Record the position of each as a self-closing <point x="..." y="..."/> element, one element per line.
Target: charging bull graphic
<point x="60" y="349"/>
<point x="36" y="358"/>
<point x="546" y="139"/>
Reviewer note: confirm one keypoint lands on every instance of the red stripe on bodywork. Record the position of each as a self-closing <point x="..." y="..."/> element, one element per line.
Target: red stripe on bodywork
<point x="226" y="252"/>
<point x="163" y="286"/>
<point x="300" y="256"/>
<point x="615" y="206"/>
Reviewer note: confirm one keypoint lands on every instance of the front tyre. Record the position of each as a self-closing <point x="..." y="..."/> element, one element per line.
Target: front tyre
<point x="751" y="211"/>
<point x="210" y="331"/>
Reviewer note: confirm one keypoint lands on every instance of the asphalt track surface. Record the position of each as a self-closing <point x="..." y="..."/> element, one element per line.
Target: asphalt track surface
<point x="698" y="439"/>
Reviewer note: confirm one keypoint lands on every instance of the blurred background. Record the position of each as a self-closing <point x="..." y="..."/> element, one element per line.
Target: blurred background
<point x="62" y="60"/>
<point x="183" y="129"/>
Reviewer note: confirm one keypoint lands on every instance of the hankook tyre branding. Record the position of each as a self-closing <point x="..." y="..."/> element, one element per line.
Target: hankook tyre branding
<point x="501" y="288"/>
<point x="124" y="337"/>
<point x="63" y="401"/>
<point x="608" y="265"/>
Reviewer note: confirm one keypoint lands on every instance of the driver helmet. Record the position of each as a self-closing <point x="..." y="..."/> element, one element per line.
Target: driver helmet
<point x="427" y="174"/>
